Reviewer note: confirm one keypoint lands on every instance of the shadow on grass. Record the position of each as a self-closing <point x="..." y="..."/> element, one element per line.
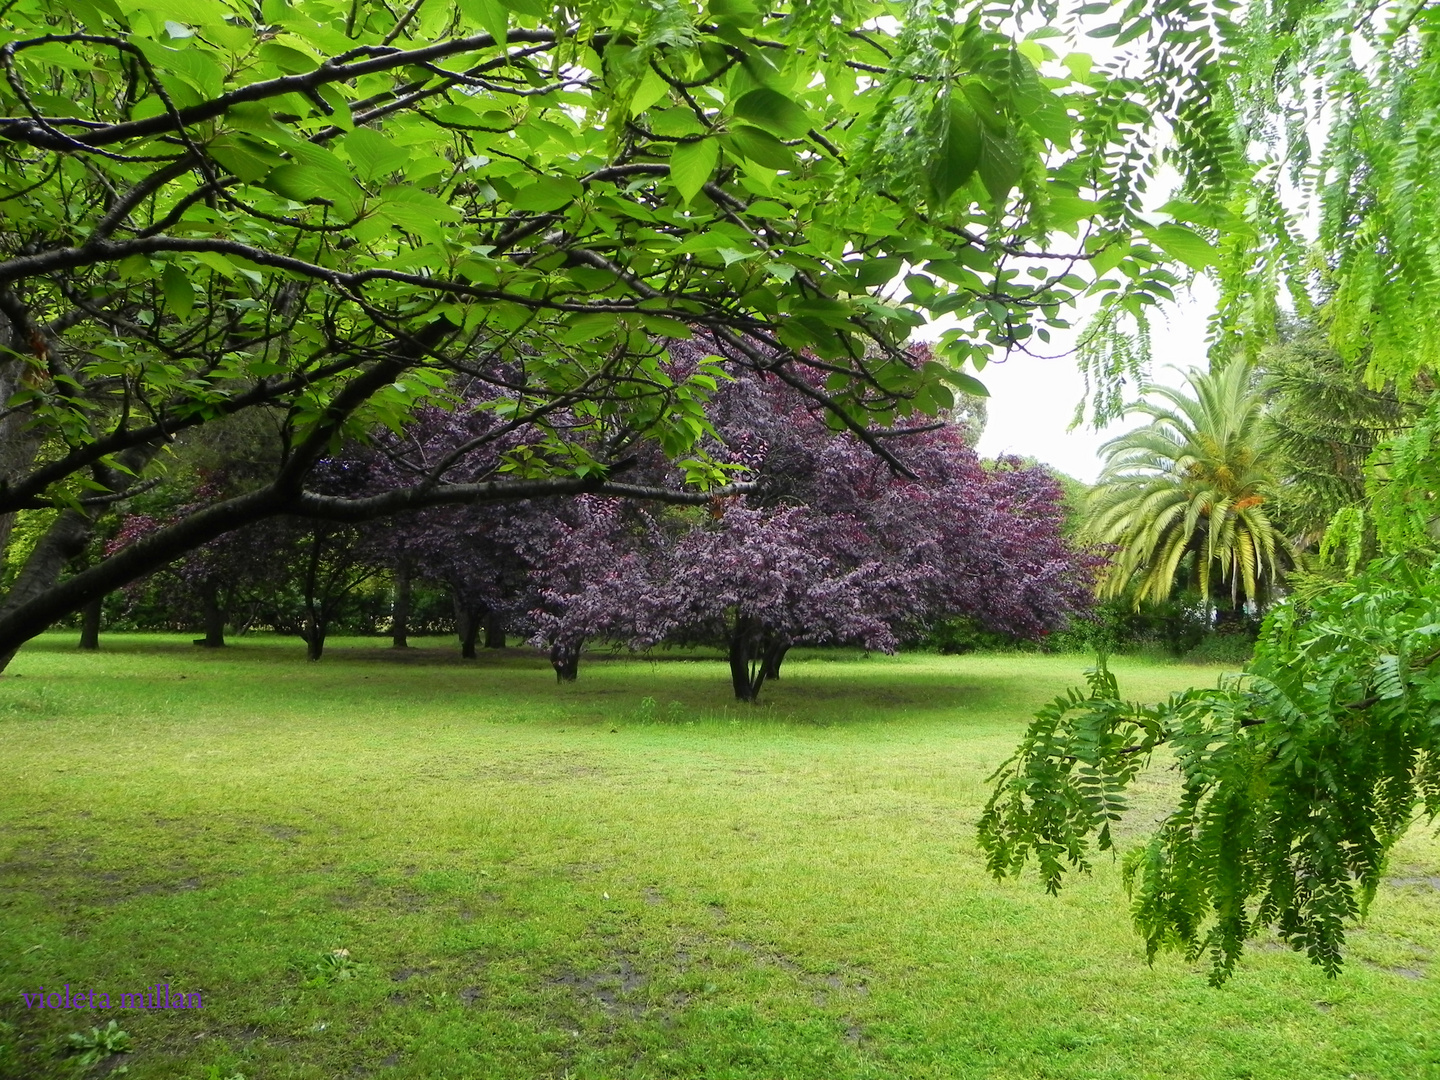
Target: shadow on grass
<point x="674" y="687"/>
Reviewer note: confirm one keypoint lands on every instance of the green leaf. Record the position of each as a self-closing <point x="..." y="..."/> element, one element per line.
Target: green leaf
<point x="967" y="383"/>
<point x="740" y="13"/>
<point x="663" y="326"/>
<point x="303" y="183"/>
<point x="1189" y="247"/>
<point x="761" y="147"/>
<point x="547" y="193"/>
<point x="491" y="15"/>
<point x="774" y="112"/>
<point x="243" y="156"/>
<point x="734" y="255"/>
<point x="291" y="61"/>
<point x="675" y="123"/>
<point x="217" y="262"/>
<point x="339" y="105"/>
<point x="373" y="155"/>
<point x="999" y="165"/>
<point x="179" y="293"/>
<point x="415" y="211"/>
<point x="692" y="164"/>
<point x="958" y="152"/>
<point x="652" y="89"/>
<point x="874" y="272"/>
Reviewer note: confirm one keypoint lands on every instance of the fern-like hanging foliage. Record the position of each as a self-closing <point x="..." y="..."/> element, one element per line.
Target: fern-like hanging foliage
<point x="1297" y="778"/>
<point x="1366" y="77"/>
<point x="1187" y="495"/>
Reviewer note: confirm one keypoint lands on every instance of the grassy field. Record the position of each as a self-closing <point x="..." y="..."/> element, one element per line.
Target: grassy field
<point x="622" y="878"/>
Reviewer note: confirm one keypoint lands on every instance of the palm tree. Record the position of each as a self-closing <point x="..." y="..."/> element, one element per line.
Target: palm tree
<point x="1185" y="496"/>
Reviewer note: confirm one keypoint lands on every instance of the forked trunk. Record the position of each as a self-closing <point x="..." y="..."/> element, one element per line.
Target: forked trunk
<point x="314" y="635"/>
<point x="751" y="651"/>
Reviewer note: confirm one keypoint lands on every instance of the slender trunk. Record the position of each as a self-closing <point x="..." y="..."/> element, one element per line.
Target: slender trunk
<point x="401" y="621"/>
<point x="565" y="659"/>
<point x="213" y="615"/>
<point x="313" y="631"/>
<point x="494" y="630"/>
<point x="740" y="666"/>
<point x="90" y="624"/>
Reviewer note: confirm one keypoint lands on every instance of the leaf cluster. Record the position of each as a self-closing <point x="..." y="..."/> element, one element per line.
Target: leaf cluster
<point x="1295" y="778"/>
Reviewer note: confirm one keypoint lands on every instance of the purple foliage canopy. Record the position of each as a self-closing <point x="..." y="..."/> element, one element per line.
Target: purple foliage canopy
<point x="837" y="547"/>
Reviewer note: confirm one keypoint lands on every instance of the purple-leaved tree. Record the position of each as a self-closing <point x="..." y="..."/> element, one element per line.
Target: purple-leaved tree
<point x="838" y="546"/>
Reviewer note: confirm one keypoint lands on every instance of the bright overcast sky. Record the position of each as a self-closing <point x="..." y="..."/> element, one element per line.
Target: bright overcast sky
<point x="1033" y="401"/>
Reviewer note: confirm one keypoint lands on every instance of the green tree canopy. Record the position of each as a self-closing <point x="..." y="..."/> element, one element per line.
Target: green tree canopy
<point x="1329" y="428"/>
<point x="330" y="211"/>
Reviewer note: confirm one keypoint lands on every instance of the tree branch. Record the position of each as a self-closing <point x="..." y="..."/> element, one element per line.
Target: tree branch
<point x="25" y="129"/>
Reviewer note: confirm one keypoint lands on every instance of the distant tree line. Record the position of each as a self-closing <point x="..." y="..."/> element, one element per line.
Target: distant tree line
<point x="834" y="546"/>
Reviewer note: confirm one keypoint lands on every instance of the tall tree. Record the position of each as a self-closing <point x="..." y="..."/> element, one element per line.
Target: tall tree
<point x="598" y="572"/>
<point x="231" y="207"/>
<point x="1185" y="499"/>
<point x="1328" y="425"/>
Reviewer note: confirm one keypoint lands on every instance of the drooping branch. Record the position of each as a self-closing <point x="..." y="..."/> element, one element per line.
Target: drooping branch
<point x="339" y="69"/>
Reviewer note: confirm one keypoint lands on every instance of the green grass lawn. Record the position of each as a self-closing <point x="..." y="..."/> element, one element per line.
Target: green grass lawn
<point x="536" y="880"/>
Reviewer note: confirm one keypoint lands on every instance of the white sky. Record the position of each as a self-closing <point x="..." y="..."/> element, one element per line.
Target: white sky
<point x="1033" y="401"/>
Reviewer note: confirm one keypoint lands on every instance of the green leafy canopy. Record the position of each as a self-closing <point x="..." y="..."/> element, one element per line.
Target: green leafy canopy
<point x="523" y="171"/>
<point x="331" y="212"/>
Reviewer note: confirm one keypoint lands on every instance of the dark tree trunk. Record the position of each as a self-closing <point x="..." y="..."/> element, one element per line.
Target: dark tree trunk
<point x="400" y="630"/>
<point x="63" y="541"/>
<point x="565" y="659"/>
<point x="313" y="630"/>
<point x="214" y="616"/>
<point x="90" y="624"/>
<point x="469" y="628"/>
<point x="748" y="656"/>
<point x="314" y="635"/>
<point x="774" y="657"/>
<point x="494" y="630"/>
<point x="19" y="440"/>
<point x="740" y="667"/>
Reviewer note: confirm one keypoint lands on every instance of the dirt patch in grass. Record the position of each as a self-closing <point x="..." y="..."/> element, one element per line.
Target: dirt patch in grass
<point x="611" y="989"/>
<point x="1415" y="881"/>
